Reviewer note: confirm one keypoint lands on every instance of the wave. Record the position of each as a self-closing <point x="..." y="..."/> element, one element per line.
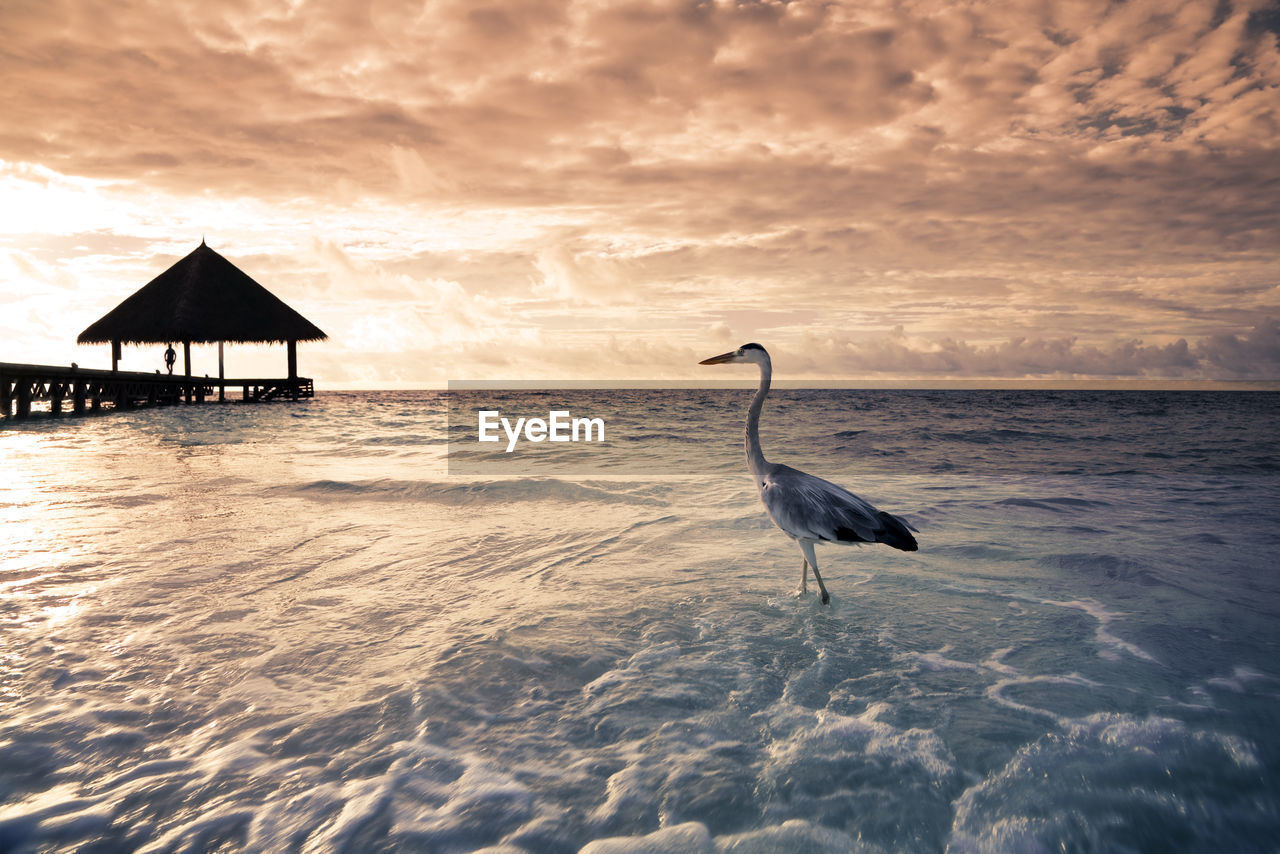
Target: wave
<point x="677" y="438"/>
<point x="1055" y="505"/>
<point x="412" y="439"/>
<point x="1111" y="760"/>
<point x="475" y="492"/>
<point x="1110" y="567"/>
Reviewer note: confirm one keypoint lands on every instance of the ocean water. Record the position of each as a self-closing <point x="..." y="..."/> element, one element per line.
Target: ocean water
<point x="288" y="627"/>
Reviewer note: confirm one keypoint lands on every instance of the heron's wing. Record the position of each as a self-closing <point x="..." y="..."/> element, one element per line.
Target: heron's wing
<point x="816" y="509"/>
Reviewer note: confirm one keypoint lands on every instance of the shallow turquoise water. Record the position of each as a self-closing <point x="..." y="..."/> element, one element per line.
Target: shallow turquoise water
<point x="288" y="627"/>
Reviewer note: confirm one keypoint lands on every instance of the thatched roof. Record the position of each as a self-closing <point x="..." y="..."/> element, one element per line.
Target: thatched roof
<point x="202" y="299"/>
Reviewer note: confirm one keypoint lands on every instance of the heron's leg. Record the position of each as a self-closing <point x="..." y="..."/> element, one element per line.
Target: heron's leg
<point x="812" y="561"/>
<point x="804" y="570"/>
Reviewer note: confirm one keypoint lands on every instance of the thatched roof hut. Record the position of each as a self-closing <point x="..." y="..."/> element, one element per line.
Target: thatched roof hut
<point x="202" y="299"/>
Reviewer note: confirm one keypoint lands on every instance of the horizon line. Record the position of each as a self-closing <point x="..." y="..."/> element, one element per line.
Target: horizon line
<point x="982" y="384"/>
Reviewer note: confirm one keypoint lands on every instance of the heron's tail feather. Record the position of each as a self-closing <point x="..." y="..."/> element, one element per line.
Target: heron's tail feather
<point x="896" y="533"/>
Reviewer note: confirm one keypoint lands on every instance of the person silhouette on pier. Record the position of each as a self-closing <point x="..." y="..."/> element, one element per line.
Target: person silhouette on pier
<point x="169" y="358"/>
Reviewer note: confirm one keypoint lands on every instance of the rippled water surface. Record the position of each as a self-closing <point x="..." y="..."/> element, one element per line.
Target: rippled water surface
<point x="288" y="628"/>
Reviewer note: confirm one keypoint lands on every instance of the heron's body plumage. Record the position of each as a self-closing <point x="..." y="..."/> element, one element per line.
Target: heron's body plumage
<point x="806" y="507"/>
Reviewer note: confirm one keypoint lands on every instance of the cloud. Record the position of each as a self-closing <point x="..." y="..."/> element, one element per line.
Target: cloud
<point x="199" y="94"/>
<point x="1256" y="355"/>
<point x="1078" y="178"/>
<point x="579" y="277"/>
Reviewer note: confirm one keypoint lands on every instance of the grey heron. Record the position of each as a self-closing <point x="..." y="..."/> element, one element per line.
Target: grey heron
<point x="809" y="509"/>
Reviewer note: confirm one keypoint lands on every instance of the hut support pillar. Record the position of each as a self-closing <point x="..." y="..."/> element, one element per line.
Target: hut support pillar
<point x="24" y="399"/>
<point x="293" y="368"/>
<point x="186" y="365"/>
<point x="115" y="355"/>
<point x="222" y="389"/>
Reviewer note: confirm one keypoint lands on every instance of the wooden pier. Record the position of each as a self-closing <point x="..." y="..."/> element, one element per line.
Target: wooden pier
<point x="88" y="390"/>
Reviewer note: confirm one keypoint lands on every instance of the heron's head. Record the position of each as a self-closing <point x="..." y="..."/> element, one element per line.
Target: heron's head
<point x="750" y="353"/>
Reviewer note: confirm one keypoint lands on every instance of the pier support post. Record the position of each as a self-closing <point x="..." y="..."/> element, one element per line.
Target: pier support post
<point x="67" y="390"/>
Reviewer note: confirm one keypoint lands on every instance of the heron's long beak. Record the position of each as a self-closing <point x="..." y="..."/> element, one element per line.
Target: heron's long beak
<point x="720" y="360"/>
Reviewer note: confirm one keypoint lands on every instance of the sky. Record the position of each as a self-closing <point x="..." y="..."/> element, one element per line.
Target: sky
<point x="875" y="191"/>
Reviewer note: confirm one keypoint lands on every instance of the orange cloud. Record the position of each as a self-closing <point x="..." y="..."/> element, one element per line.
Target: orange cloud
<point x="1085" y="172"/>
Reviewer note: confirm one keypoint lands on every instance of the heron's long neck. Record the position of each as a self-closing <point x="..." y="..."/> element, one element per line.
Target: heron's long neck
<point x="755" y="457"/>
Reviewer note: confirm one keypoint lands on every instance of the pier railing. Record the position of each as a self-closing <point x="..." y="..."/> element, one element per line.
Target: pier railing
<point x="87" y="389"/>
